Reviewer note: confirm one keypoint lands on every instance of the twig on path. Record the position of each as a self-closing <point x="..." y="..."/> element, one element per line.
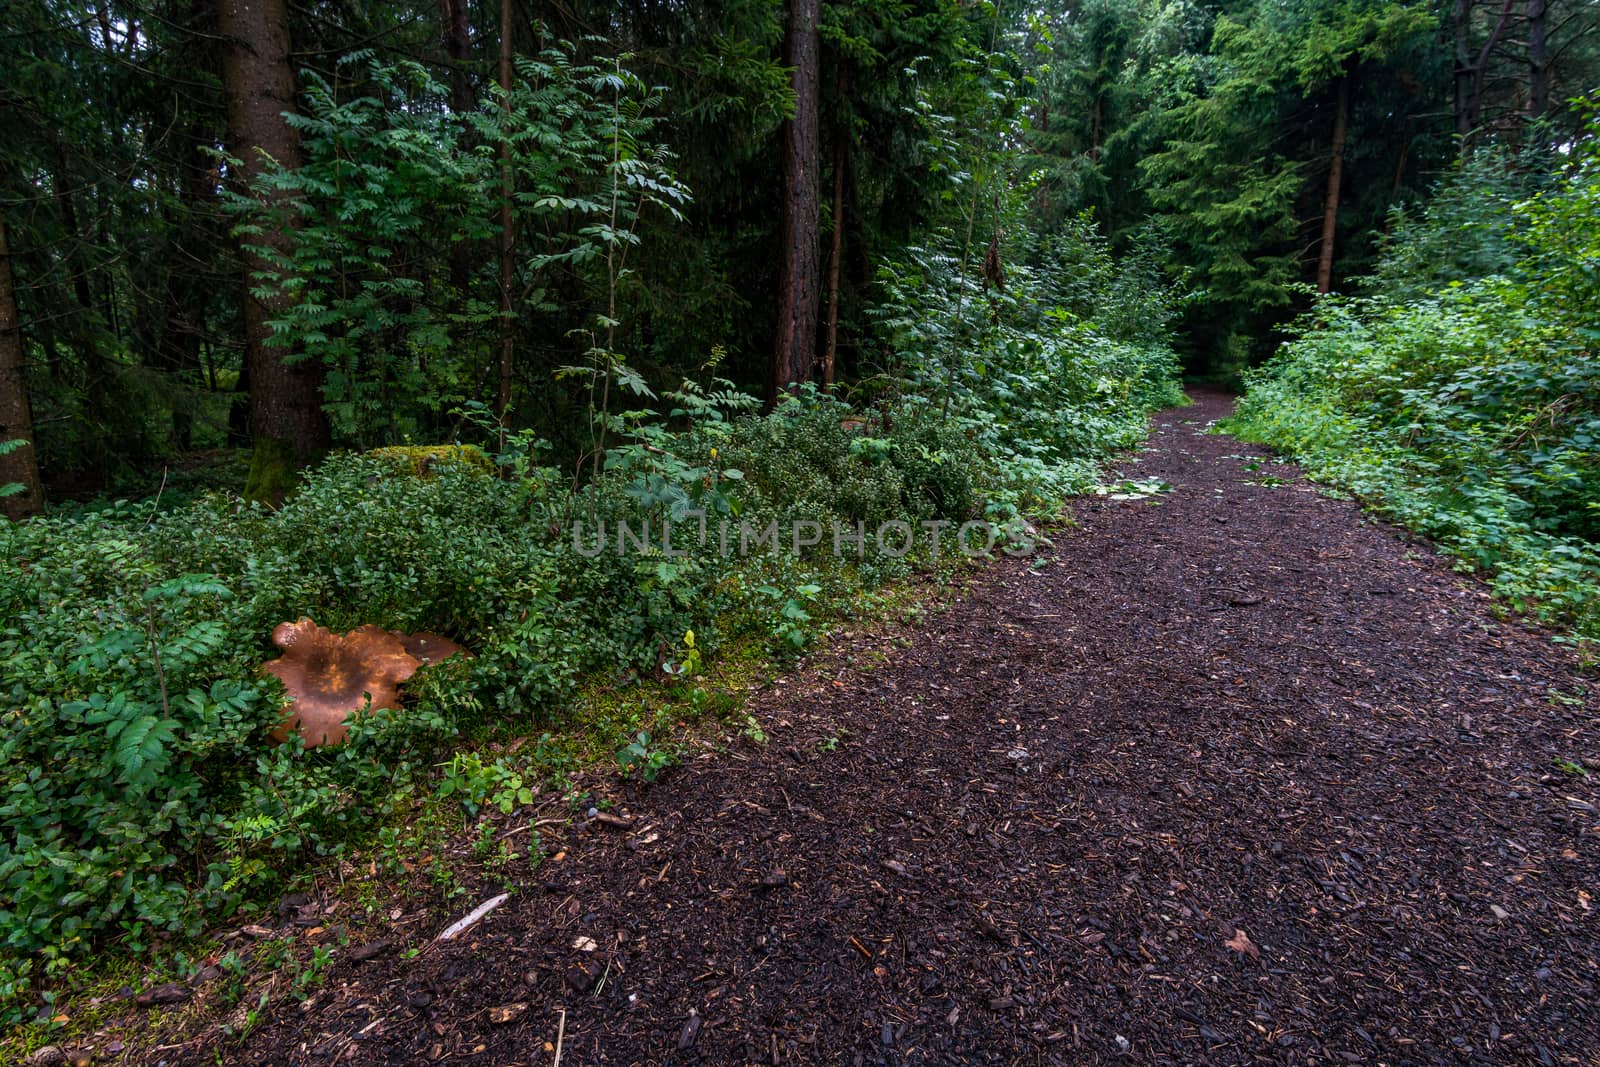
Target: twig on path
<point x="456" y="928"/>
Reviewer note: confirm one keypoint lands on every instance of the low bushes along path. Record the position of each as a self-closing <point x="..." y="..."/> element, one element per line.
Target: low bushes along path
<point x="1236" y="776"/>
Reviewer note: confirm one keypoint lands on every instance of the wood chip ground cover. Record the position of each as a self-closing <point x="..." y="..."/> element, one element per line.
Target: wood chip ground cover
<point x="1236" y="776"/>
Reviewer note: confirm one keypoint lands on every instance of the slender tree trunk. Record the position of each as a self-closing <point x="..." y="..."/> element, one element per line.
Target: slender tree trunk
<point x="1330" y="207"/>
<point x="1538" y="60"/>
<point x="502" y="404"/>
<point x="288" y="427"/>
<point x="799" y="270"/>
<point x="19" y="466"/>
<point x="830" y="348"/>
<point x="1461" y="26"/>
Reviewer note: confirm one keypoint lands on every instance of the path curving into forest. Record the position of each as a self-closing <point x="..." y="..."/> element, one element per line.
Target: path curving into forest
<point x="1239" y="776"/>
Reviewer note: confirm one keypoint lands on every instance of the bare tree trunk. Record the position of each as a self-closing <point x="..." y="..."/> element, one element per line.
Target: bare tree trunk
<point x="288" y="427"/>
<point x="796" y="345"/>
<point x="21" y="465"/>
<point x="1330" y="207"/>
<point x="1538" y="60"/>
<point x="502" y="404"/>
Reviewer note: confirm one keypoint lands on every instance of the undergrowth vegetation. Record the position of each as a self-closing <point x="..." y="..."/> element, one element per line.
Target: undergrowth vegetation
<point x="139" y="797"/>
<point x="1459" y="393"/>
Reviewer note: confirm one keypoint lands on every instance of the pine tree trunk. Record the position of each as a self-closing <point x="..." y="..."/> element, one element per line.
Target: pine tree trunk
<point x="288" y="427"/>
<point x="830" y="347"/>
<point x="1538" y="60"/>
<point x="502" y="404"/>
<point x="1330" y="207"/>
<point x="799" y="271"/>
<point x="19" y="466"/>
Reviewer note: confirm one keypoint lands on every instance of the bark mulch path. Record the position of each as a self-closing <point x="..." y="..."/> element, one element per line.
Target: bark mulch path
<point x="1235" y="775"/>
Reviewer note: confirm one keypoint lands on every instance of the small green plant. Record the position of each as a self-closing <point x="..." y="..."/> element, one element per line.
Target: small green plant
<point x="644" y="758"/>
<point x="308" y="977"/>
<point x="475" y="784"/>
<point x="242" y="839"/>
<point x="689" y="659"/>
<point x="793" y="617"/>
<point x="831" y="742"/>
<point x="1568" y="767"/>
<point x="751" y="728"/>
<point x="1570" y="700"/>
<point x="445" y="879"/>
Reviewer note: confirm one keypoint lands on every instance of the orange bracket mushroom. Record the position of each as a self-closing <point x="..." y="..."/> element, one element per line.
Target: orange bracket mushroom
<point x="329" y="677"/>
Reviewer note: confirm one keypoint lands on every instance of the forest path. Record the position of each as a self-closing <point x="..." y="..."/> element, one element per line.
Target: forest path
<point x="1238" y="776"/>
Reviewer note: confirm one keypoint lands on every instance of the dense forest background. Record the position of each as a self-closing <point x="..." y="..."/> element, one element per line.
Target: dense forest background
<point x="293" y="226"/>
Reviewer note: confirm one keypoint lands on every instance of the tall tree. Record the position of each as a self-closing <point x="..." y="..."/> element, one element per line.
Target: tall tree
<point x="800" y="265"/>
<point x="1330" y="206"/>
<point x="19" y="465"/>
<point x="287" y="424"/>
